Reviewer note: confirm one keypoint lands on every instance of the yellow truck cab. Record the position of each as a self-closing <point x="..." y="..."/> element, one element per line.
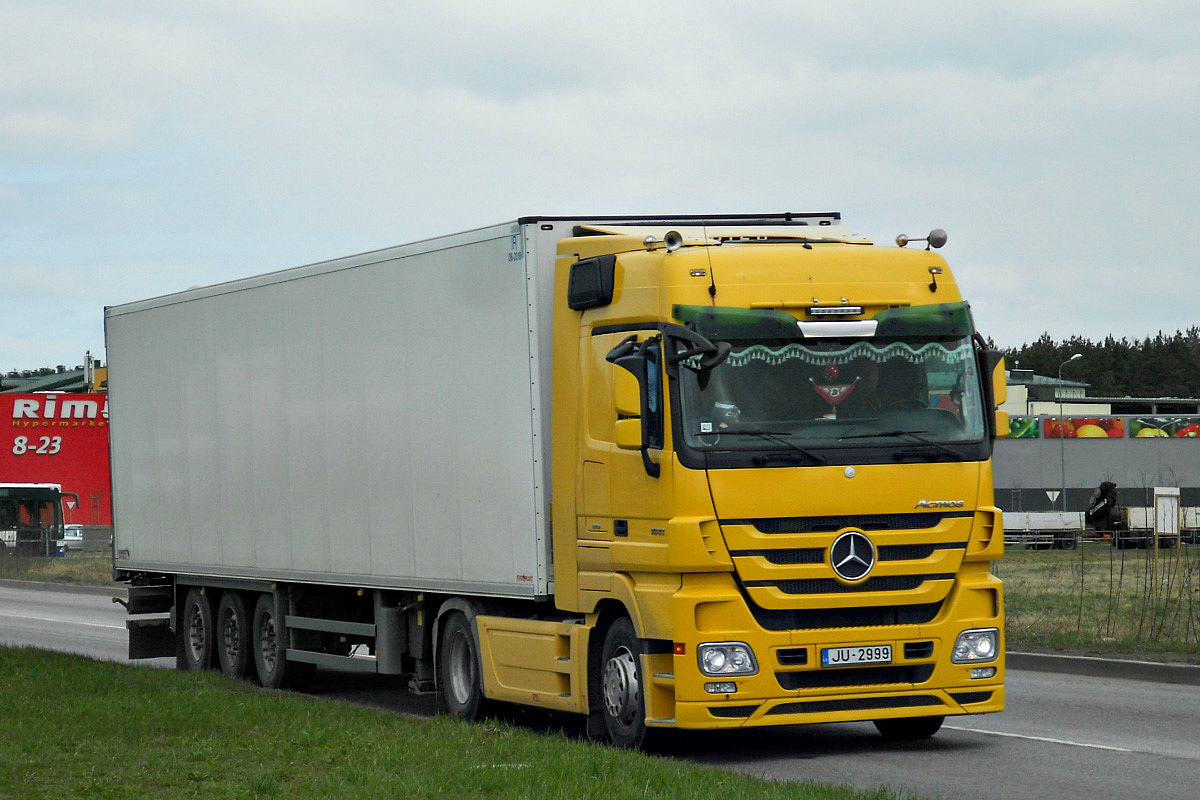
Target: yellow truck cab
<point x="772" y="452"/>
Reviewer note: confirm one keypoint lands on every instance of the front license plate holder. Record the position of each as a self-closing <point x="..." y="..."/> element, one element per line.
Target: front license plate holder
<point x="855" y="655"/>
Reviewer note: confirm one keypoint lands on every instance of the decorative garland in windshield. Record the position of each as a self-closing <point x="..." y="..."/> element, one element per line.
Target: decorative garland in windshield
<point x="798" y="352"/>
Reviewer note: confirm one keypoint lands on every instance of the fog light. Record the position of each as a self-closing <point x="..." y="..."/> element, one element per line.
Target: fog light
<point x="726" y="658"/>
<point x="982" y="672"/>
<point x="720" y="688"/>
<point x="979" y="644"/>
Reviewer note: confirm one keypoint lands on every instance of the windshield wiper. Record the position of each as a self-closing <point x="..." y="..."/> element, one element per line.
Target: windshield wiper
<point x="778" y="437"/>
<point x="914" y="435"/>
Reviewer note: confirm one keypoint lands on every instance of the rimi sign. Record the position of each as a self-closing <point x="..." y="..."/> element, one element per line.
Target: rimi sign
<point x="63" y="439"/>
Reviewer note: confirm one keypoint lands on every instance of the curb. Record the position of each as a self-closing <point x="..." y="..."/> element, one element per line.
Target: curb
<point x="1090" y="666"/>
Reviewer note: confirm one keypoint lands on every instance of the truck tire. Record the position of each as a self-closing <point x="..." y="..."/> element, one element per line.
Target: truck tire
<point x="233" y="635"/>
<point x="620" y="681"/>
<point x="907" y="730"/>
<point x="269" y="643"/>
<point x="196" y="635"/>
<point x="1066" y="540"/>
<point x="460" y="684"/>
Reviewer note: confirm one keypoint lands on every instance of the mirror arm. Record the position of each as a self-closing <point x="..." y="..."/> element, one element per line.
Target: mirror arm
<point x="711" y="353"/>
<point x="652" y="469"/>
<point x="623" y="348"/>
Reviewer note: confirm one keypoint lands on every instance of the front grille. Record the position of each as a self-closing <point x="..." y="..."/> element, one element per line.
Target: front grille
<point x="816" y="555"/>
<point x="776" y="579"/>
<point x="855" y="704"/>
<point x="854" y="676"/>
<point x="896" y="583"/>
<point x="786" y="558"/>
<point x="867" y="522"/>
<point x="913" y="552"/>
<point x="803" y="619"/>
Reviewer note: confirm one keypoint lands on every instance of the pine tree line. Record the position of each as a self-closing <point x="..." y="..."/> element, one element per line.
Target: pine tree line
<point x="1160" y="366"/>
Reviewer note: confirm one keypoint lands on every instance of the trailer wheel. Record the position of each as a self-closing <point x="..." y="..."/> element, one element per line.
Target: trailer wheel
<point x="269" y="643"/>
<point x="621" y="682"/>
<point x="233" y="635"/>
<point x="911" y="729"/>
<point x="460" y="684"/>
<point x="196" y="632"/>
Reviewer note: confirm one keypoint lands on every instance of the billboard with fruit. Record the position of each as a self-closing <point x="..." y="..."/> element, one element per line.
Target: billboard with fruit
<point x="1023" y="427"/>
<point x="1163" y="427"/>
<point x="1083" y="428"/>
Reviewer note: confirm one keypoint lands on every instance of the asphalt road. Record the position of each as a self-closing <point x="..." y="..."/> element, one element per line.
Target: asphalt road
<point x="1063" y="736"/>
<point x="71" y="622"/>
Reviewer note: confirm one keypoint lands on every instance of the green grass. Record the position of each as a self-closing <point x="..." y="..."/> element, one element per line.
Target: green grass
<point x="83" y="729"/>
<point x="81" y="570"/>
<point x="1098" y="600"/>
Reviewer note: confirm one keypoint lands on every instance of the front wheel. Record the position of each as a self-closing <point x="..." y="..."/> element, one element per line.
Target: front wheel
<point x="459" y="681"/>
<point x="909" y="729"/>
<point x="621" y="682"/>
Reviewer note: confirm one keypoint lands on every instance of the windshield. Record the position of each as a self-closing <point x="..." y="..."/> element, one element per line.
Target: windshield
<point x="908" y="396"/>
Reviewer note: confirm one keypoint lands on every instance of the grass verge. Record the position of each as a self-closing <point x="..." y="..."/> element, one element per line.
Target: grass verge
<point x="1101" y="601"/>
<point x="80" y="570"/>
<point x="78" y="728"/>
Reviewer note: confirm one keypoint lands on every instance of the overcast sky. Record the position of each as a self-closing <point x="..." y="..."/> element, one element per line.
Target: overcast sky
<point x="148" y="147"/>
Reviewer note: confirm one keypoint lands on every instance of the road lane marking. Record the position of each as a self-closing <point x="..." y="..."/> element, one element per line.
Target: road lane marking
<point x="1046" y="739"/>
<point x="60" y="621"/>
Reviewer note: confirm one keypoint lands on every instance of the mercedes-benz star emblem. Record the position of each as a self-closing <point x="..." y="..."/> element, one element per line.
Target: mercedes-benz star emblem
<point x="852" y="556"/>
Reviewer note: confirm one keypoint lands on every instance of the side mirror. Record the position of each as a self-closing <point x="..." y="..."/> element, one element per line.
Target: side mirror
<point x="638" y="398"/>
<point x="999" y="383"/>
<point x="627" y="394"/>
<point x="629" y="434"/>
<point x="995" y="387"/>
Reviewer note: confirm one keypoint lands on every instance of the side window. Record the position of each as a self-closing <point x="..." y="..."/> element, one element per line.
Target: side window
<point x="598" y="392"/>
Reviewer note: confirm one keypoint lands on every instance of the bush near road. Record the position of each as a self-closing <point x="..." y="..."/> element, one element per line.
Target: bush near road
<point x="79" y="728"/>
<point x="81" y="569"/>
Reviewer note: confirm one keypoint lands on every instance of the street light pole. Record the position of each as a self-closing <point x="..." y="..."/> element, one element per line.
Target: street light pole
<point x="1062" y="430"/>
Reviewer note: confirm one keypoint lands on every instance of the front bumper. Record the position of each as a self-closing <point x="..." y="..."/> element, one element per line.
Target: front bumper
<point x="792" y="687"/>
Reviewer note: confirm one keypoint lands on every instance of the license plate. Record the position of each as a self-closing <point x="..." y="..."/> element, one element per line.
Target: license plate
<point x="865" y="654"/>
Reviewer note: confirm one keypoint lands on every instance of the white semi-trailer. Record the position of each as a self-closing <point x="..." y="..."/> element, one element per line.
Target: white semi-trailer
<point x="685" y="472"/>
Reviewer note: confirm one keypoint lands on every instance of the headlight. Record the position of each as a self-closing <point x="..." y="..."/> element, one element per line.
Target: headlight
<point x="726" y="658"/>
<point x="980" y="644"/>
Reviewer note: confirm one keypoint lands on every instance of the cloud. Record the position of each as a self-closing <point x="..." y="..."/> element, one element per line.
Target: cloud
<point x="149" y="148"/>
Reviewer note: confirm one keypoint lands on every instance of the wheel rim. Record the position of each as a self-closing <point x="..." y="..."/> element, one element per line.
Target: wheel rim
<point x="196" y="634"/>
<point x="267" y="642"/>
<point x="460" y="668"/>
<point x="231" y="636"/>
<point x="622" y="694"/>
